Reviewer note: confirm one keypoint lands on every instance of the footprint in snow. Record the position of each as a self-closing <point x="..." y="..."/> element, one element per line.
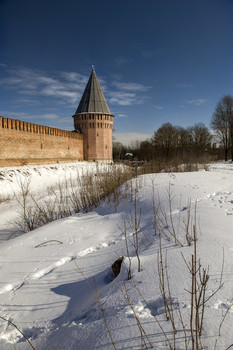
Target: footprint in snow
<point x="223" y="305"/>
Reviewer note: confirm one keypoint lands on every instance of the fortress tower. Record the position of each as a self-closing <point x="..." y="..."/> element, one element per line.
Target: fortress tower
<point x="94" y="120"/>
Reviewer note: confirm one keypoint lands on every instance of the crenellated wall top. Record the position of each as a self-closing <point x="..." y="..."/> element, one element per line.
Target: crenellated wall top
<point x="21" y="126"/>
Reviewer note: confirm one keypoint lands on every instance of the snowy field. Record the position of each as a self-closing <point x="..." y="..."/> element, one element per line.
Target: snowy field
<point x="42" y="288"/>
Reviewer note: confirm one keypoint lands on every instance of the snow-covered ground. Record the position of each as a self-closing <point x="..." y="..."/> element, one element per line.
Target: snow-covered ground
<point x="43" y="292"/>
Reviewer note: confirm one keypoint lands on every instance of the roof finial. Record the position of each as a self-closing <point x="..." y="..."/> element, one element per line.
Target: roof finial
<point x="93" y="68"/>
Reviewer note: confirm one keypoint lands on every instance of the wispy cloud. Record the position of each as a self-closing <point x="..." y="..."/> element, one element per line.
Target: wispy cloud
<point x="3" y="65"/>
<point x="123" y="98"/>
<point x="196" y="102"/>
<point x="121" y="61"/>
<point x="26" y="116"/>
<point x="128" y="93"/>
<point x="66" y="86"/>
<point x="158" y="107"/>
<point x="13" y="115"/>
<point x="129" y="137"/>
<point x="121" y="115"/>
<point x="49" y="119"/>
<point x="130" y="86"/>
<point x="28" y="101"/>
<point x="184" y="86"/>
<point x="147" y="51"/>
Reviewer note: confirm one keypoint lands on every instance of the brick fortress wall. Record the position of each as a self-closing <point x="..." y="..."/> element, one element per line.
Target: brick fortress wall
<point x="27" y="143"/>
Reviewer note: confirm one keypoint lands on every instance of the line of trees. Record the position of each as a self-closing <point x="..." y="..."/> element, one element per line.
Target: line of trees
<point x="167" y="142"/>
<point x="175" y="141"/>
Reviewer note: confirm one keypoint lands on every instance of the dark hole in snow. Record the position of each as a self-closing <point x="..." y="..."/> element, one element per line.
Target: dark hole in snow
<point x="116" y="267"/>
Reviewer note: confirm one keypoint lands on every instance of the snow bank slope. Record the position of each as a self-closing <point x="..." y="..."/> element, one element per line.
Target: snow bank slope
<point x="43" y="292"/>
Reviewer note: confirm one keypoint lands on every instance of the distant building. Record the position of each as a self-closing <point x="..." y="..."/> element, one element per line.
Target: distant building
<point x="216" y="141"/>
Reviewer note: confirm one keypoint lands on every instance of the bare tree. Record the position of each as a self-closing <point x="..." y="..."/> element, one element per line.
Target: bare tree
<point x="184" y="138"/>
<point x="146" y="151"/>
<point x="118" y="150"/>
<point x="200" y="136"/>
<point x="222" y="122"/>
<point x="165" y="138"/>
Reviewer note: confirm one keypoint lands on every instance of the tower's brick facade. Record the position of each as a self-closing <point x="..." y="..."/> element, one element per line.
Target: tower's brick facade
<point x="97" y="132"/>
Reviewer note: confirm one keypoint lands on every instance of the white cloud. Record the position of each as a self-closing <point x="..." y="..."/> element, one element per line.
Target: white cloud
<point x="48" y="119"/>
<point x="14" y="115"/>
<point x="28" y="101"/>
<point x="26" y="116"/>
<point x="74" y="77"/>
<point x="121" y="61"/>
<point x="196" y="102"/>
<point x="121" y="115"/>
<point x="158" y="107"/>
<point x="125" y="98"/>
<point x="128" y="93"/>
<point x="130" y="86"/>
<point x="66" y="86"/>
<point x="147" y="52"/>
<point x="129" y="137"/>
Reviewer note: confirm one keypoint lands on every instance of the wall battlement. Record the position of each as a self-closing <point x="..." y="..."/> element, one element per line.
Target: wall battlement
<point x="27" y="143"/>
<point x="18" y="125"/>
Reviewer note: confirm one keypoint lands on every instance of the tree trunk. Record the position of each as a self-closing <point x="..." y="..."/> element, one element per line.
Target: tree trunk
<point x="226" y="153"/>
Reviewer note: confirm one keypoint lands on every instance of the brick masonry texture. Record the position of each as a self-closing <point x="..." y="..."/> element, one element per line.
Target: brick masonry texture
<point x="26" y="143"/>
<point x="97" y="131"/>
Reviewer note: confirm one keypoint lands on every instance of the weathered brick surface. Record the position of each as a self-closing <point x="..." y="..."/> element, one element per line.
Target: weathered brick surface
<point x="27" y="143"/>
<point x="97" y="131"/>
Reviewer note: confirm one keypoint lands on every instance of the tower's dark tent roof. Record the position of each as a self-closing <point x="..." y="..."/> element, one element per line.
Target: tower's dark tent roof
<point x="93" y="100"/>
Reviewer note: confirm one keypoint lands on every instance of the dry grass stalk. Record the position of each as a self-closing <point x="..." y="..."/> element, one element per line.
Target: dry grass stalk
<point x="14" y="325"/>
<point x="164" y="286"/>
<point x="135" y="226"/>
<point x="199" y="279"/>
<point x="70" y="196"/>
<point x="156" y="319"/>
<point x="96" y="296"/>
<point x="154" y="208"/>
<point x="124" y="292"/>
<point x="127" y="250"/>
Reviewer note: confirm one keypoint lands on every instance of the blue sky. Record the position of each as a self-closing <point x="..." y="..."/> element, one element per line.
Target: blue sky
<point x="157" y="60"/>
